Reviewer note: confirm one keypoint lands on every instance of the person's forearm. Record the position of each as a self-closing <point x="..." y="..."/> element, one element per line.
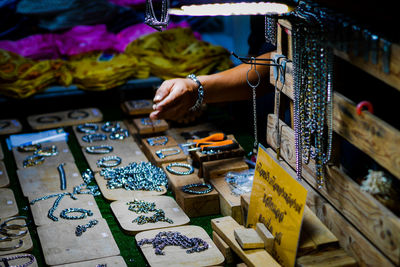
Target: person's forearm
<point x="231" y="85"/>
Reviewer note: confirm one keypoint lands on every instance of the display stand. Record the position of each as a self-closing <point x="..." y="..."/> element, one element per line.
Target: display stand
<point x="10" y="126"/>
<point x="152" y="128"/>
<point x="95" y="243"/>
<point x="41" y="208"/>
<point x="27" y="244"/>
<point x="148" y="149"/>
<point x="46" y="179"/>
<point x="64" y="118"/>
<point x="167" y="204"/>
<point x="109" y="261"/>
<point x="19" y="262"/>
<point x="137" y="107"/>
<point x="4" y="180"/>
<point x="122" y="193"/>
<point x="7" y="203"/>
<point x="175" y="255"/>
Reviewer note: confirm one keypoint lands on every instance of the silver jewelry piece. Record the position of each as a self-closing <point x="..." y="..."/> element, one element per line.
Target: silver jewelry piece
<point x="63" y="180"/>
<point x="148" y="121"/>
<point x="183" y="165"/>
<point x="110" y="127"/>
<point x="157" y="141"/>
<point x="161" y="155"/>
<point x="87" y="128"/>
<point x="110" y="161"/>
<point x="189" y="188"/>
<point x="119" y="134"/>
<point x="200" y="92"/>
<point x="102" y="149"/>
<point x="89" y="138"/>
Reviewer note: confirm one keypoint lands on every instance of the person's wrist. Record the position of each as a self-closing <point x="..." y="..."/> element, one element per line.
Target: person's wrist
<point x="200" y="92"/>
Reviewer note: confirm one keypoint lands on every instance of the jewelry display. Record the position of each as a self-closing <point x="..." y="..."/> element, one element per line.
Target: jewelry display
<point x="119" y="134"/>
<point x="270" y="30"/>
<point x="48" y="119"/>
<point x="141" y="206"/>
<point x="103" y="149"/>
<point x="254" y="87"/>
<point x="6" y="229"/>
<point x="240" y="182"/>
<point x="109" y="161"/>
<point x="85" y="188"/>
<point x="33" y="160"/>
<point x="29" y="148"/>
<point x="89" y="138"/>
<point x="200" y="92"/>
<point x="5" y="225"/>
<point x="88" y="128"/>
<point x="136" y="176"/>
<point x="163" y="239"/>
<point x="80" y="229"/>
<point x="157" y="141"/>
<point x="6" y="260"/>
<point x="161" y="155"/>
<point x="149" y="122"/>
<point x="20" y="243"/>
<point x="78" y="114"/>
<point x="190" y="188"/>
<point x="182" y="165"/>
<point x="4" y="124"/>
<point x="109" y="126"/>
<point x="150" y="18"/>
<point x="63" y="180"/>
<point x="47" y="151"/>
<point x="84" y="212"/>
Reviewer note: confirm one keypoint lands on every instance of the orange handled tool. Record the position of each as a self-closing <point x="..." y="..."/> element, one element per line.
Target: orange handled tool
<point x="211" y="138"/>
<point x="216" y="146"/>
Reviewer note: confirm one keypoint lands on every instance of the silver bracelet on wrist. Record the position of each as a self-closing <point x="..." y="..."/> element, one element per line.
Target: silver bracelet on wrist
<point x="200" y="92"/>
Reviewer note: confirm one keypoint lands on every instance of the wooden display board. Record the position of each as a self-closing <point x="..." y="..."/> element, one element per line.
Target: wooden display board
<point x="156" y="160"/>
<point x="62" y="118"/>
<point x="18" y="262"/>
<point x="10" y="126"/>
<point x="46" y="179"/>
<point x="109" y="261"/>
<point x="41" y="208"/>
<point x="152" y="128"/>
<point x="8" y="204"/>
<point x="167" y="204"/>
<point x="121" y="193"/>
<point x="27" y="244"/>
<point x="138" y="107"/>
<point x="171" y="142"/>
<point x="218" y="168"/>
<point x="4" y="179"/>
<point x="175" y="255"/>
<point x="64" y="155"/>
<point x="97" y="242"/>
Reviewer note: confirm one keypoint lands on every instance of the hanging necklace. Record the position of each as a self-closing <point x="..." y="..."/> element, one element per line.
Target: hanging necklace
<point x="150" y="16"/>
<point x="253" y="65"/>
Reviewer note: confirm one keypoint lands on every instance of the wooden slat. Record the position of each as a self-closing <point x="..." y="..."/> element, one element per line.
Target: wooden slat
<point x="349" y="237"/>
<point x="373" y="219"/>
<point x="330" y="258"/>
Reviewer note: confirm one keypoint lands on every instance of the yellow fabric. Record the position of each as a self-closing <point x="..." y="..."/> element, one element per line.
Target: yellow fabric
<point x="169" y="54"/>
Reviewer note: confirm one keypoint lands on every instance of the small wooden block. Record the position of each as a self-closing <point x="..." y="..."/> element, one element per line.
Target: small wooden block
<point x="329" y="258"/>
<point x="147" y="147"/>
<point x="156" y="160"/>
<point x="8" y="204"/>
<point x="244" y="206"/>
<point x="109" y="261"/>
<point x="175" y="255"/>
<point x="223" y="247"/>
<point x="167" y="204"/>
<point x="27" y="244"/>
<point x="229" y="203"/>
<point x="41" y="208"/>
<point x="4" y="179"/>
<point x="46" y="180"/>
<point x="62" y="118"/>
<point x="60" y="245"/>
<point x="248" y="238"/>
<point x="266" y="236"/>
<point x="10" y="126"/>
<point x="233" y="153"/>
<point x="225" y="227"/>
<point x="19" y="262"/>
<point x="64" y="155"/>
<point x="121" y="193"/>
<point x="218" y="168"/>
<point x="157" y="126"/>
<point x="137" y="107"/>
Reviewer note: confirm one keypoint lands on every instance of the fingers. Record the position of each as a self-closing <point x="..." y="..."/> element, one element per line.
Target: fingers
<point x="163" y="91"/>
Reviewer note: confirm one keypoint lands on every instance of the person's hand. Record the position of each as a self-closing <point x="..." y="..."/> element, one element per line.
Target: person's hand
<point x="173" y="99"/>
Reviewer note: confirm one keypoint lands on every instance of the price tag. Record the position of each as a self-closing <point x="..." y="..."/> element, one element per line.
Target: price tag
<point x="10" y="202"/>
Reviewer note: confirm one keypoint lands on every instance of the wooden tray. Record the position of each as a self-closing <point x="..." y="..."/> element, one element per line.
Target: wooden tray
<point x="167" y="204"/>
<point x="109" y="262"/>
<point x="41" y="208"/>
<point x="46" y="179"/>
<point x="170" y="143"/>
<point x="61" y="246"/>
<point x="175" y="255"/>
<point x="131" y="107"/>
<point x="10" y="126"/>
<point x="94" y="115"/>
<point x="18" y="262"/>
<point x="150" y="129"/>
<point x="7" y="203"/>
<point x="64" y="155"/>
<point x="121" y="193"/>
<point x="4" y="180"/>
<point x="27" y="244"/>
<point x="173" y="158"/>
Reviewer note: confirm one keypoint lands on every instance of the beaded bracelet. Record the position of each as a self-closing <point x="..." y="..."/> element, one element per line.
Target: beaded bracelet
<point x="33" y="160"/>
<point x="85" y="212"/>
<point x="110" y="161"/>
<point x="48" y="119"/>
<point x="7" y="259"/>
<point x="183" y="165"/>
<point x="103" y="149"/>
<point x="109" y="126"/>
<point x="161" y="155"/>
<point x="188" y="188"/>
<point x="87" y="128"/>
<point x="119" y="134"/>
<point x="89" y="138"/>
<point x="80" y="229"/>
<point x="78" y="114"/>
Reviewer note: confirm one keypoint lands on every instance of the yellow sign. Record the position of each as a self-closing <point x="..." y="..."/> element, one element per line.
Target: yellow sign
<point x="277" y="200"/>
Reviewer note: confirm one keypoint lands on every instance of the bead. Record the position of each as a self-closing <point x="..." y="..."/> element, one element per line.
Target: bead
<point x="84" y="213"/>
<point x="80" y="229"/>
<point x="7" y="259"/>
